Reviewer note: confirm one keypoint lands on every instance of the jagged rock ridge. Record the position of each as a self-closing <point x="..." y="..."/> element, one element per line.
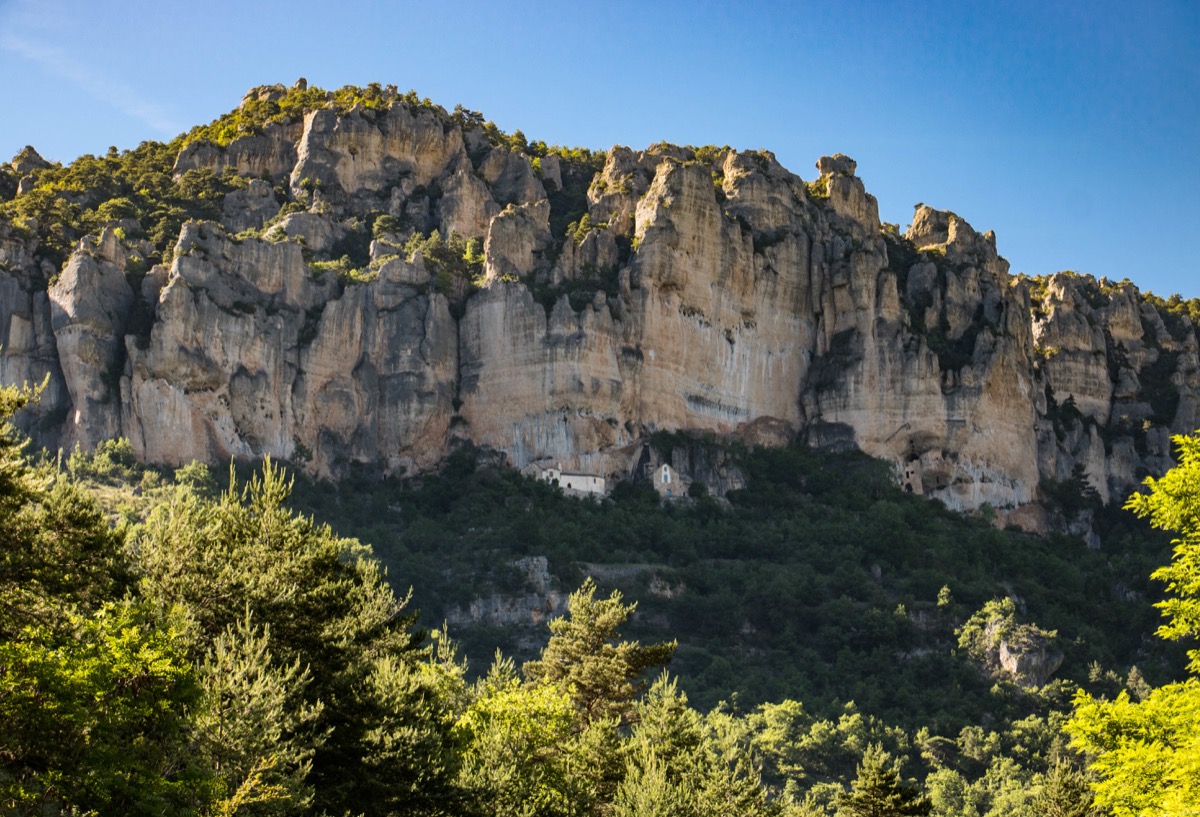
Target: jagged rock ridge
<point x="705" y="289"/>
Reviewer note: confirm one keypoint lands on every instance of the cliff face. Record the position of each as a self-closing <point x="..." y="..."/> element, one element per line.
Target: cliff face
<point x="693" y="289"/>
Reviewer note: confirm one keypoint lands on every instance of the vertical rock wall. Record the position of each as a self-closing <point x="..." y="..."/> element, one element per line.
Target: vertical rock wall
<point x="695" y="289"/>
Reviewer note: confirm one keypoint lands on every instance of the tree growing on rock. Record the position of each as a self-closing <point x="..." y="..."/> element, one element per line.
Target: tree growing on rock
<point x="1001" y="646"/>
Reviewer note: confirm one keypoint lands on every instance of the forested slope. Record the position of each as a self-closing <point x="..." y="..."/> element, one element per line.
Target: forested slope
<point x="215" y="653"/>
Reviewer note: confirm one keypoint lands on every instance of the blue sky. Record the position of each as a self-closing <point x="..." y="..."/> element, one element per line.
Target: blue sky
<point x="1071" y="129"/>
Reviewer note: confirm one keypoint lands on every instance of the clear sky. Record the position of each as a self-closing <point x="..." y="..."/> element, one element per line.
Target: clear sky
<point x="1072" y="129"/>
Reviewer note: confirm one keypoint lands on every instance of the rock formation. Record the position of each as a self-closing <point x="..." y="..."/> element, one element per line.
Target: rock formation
<point x="566" y="312"/>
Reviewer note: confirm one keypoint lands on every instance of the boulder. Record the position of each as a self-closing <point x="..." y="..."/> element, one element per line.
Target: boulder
<point x="1030" y="664"/>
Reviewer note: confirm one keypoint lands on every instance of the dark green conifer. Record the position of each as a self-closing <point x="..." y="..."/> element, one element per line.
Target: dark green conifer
<point x="878" y="791"/>
<point x="603" y="678"/>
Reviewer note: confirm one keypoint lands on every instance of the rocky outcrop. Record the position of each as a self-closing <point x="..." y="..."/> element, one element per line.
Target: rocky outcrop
<point x="1120" y="373"/>
<point x="355" y="161"/>
<point x="271" y="153"/>
<point x="27" y="161"/>
<point x="251" y="208"/>
<point x="28" y="350"/>
<point x="539" y="602"/>
<point x="253" y="353"/>
<point x="90" y="305"/>
<point x="675" y="288"/>
<point x="515" y="238"/>
<point x="1030" y="664"/>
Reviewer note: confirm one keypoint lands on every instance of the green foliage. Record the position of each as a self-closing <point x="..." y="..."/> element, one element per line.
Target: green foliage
<point x="569" y="203"/>
<point x="94" y="713"/>
<point x="1073" y="495"/>
<point x="1147" y="754"/>
<point x="552" y="745"/>
<point x="1172" y="503"/>
<point x="344" y="269"/>
<point x="581" y="230"/>
<point x="514" y="735"/>
<point x="73" y="201"/>
<point x="197" y="477"/>
<point x="235" y="657"/>
<point x="682" y="763"/>
<point x="1181" y="316"/>
<point x="261" y="107"/>
<point x="1063" y="417"/>
<point x="140" y="185"/>
<point x="818" y="189"/>
<point x="59" y="554"/>
<point x="93" y="687"/>
<point x="385" y="226"/>
<point x="602" y="678"/>
<point x="775" y="594"/>
<point x="253" y="724"/>
<point x="456" y="264"/>
<point x="112" y="461"/>
<point x="278" y="105"/>
<point x="379" y="734"/>
<point x="878" y="791"/>
<point x="997" y="621"/>
<point x="1065" y="793"/>
<point x="395" y="754"/>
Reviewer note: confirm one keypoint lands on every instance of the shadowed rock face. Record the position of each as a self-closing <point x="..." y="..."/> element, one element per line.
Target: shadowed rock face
<point x="709" y="290"/>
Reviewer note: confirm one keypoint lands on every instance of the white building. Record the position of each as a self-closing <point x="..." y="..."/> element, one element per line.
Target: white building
<point x="574" y="482"/>
<point x="669" y="482"/>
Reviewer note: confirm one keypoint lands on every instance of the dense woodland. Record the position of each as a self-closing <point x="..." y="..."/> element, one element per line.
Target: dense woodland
<point x="172" y="645"/>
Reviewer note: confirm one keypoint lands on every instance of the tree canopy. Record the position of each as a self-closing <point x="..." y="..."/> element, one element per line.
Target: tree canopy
<point x="217" y="653"/>
<point x="603" y="678"/>
<point x="1147" y="753"/>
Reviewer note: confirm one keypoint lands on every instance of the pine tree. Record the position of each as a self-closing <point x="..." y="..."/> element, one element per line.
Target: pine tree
<point x="380" y="738"/>
<point x="1065" y="793"/>
<point x="515" y="738"/>
<point x="59" y="553"/>
<point x="94" y="687"/>
<point x="602" y="677"/>
<point x="250" y="725"/>
<point x="681" y="763"/>
<point x="878" y="791"/>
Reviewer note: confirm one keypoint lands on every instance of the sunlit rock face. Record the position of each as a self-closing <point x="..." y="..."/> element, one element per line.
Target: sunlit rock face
<point x="251" y="354"/>
<point x="671" y="288"/>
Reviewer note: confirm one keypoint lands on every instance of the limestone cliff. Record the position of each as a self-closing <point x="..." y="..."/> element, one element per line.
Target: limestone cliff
<point x="572" y="304"/>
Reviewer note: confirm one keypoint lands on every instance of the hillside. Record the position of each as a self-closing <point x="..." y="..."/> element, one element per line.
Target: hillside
<point x="360" y="277"/>
<point x="862" y="487"/>
<point x="823" y="611"/>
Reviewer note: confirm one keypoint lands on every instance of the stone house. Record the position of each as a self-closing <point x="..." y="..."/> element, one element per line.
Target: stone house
<point x="574" y="483"/>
